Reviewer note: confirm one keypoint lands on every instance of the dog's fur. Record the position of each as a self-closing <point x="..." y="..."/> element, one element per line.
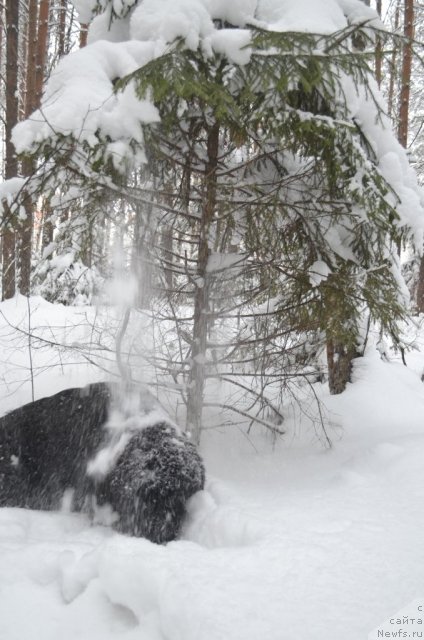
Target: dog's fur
<point x="47" y="446"/>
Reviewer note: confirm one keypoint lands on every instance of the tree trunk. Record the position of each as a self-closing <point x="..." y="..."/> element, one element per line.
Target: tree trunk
<point x="339" y="360"/>
<point x="24" y="245"/>
<point x="408" y="32"/>
<point x="47" y="225"/>
<point x="196" y="381"/>
<point x="378" y="51"/>
<point x="11" y="163"/>
<point x="393" y="68"/>
<point x="167" y="240"/>
<point x="2" y="23"/>
<point x="62" y="28"/>
<point x="25" y="227"/>
<point x="141" y="261"/>
<point x="43" y="29"/>
<point x="83" y="35"/>
<point x="167" y="246"/>
<point x="31" y="57"/>
<point x="420" y="287"/>
<point x="36" y="62"/>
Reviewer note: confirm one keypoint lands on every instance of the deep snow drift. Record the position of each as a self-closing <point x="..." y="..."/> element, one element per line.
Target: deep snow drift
<point x="289" y="541"/>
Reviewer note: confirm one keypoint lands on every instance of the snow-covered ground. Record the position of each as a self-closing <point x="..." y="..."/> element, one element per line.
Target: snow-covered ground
<point x="289" y="541"/>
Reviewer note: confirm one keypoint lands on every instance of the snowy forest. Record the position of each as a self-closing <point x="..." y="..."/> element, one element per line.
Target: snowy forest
<point x="212" y="213"/>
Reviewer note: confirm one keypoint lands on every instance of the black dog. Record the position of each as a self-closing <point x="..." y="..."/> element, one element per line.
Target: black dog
<point x="125" y="455"/>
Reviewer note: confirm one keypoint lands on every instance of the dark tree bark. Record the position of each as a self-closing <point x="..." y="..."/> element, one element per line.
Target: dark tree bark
<point x="393" y="68"/>
<point x="2" y="29"/>
<point x="38" y="24"/>
<point x="378" y="51"/>
<point x="340" y="340"/>
<point x="25" y="230"/>
<point x="47" y="232"/>
<point x="31" y="57"/>
<point x="43" y="28"/>
<point x="167" y="245"/>
<point x="339" y="360"/>
<point x="83" y="35"/>
<point x="420" y="288"/>
<point x="11" y="163"/>
<point x="62" y="28"/>
<point x="408" y="32"/>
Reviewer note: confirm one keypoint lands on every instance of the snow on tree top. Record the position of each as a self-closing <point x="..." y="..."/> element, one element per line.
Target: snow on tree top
<point x="81" y="100"/>
<point x="176" y="17"/>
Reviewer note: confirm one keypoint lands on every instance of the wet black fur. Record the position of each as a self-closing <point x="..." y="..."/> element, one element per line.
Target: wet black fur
<point x="45" y="447"/>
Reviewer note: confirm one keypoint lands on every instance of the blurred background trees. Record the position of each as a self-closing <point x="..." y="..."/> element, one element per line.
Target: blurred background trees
<point x="34" y="35"/>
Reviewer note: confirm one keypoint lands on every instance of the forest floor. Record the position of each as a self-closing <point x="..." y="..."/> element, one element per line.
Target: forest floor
<point x="289" y="541"/>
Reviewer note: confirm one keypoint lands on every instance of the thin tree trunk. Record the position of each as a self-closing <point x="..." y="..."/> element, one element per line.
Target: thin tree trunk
<point x="378" y="51"/>
<point x="62" y="27"/>
<point x="25" y="230"/>
<point x="408" y="32"/>
<point x="69" y="38"/>
<point x="2" y="53"/>
<point x="196" y="382"/>
<point x="31" y="57"/>
<point x="420" y="287"/>
<point x="43" y="28"/>
<point x="167" y="242"/>
<point x="11" y="163"/>
<point x="36" y="63"/>
<point x="22" y="56"/>
<point x="393" y="68"/>
<point x="25" y="236"/>
<point x="2" y="25"/>
<point x="141" y="260"/>
<point x="167" y="245"/>
<point x="47" y="225"/>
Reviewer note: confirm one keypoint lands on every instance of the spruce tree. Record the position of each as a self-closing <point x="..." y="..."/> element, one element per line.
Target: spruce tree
<point x="283" y="225"/>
